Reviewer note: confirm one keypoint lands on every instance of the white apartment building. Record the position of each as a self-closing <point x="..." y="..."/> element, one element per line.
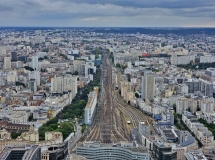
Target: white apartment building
<point x="202" y="133"/>
<point x="123" y="58"/>
<point x="181" y="105"/>
<point x="177" y="60"/>
<point x="90" y="108"/>
<point x="7" y="62"/>
<point x="79" y="66"/>
<point x="208" y="116"/>
<point x="34" y="62"/>
<point x="207" y="59"/>
<point x="207" y="104"/>
<point x="60" y="84"/>
<point x="205" y="136"/>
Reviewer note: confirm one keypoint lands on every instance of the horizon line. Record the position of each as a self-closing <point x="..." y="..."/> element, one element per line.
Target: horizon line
<point x="98" y="27"/>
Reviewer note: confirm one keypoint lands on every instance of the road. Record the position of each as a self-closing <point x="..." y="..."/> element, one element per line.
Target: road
<point x="77" y="137"/>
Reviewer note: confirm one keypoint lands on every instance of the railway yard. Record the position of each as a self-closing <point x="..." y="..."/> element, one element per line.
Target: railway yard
<point x="114" y="119"/>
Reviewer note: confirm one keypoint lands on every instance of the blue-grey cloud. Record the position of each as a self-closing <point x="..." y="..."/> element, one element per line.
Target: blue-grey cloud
<point x="149" y="3"/>
<point x="103" y="12"/>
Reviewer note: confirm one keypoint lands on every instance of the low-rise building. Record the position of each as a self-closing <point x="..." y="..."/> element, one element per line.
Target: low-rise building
<point x="25" y="152"/>
<point x="124" y="150"/>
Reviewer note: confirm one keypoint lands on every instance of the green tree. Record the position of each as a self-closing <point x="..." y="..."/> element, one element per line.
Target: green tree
<point x="174" y="107"/>
<point x="19" y="84"/>
<point x="198" y="109"/>
<point x="75" y="73"/>
<point x="29" y="68"/>
<point x="14" y="135"/>
<point x="118" y="65"/>
<point x="52" y="121"/>
<point x="46" y="57"/>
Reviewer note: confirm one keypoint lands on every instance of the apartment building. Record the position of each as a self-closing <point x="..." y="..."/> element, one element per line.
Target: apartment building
<point x="148" y="87"/>
<point x="60" y="84"/>
<point x="206" y="87"/>
<point x="7" y="62"/>
<point x="89" y="110"/>
<point x="202" y="133"/>
<point x="177" y="60"/>
<point x="207" y="59"/>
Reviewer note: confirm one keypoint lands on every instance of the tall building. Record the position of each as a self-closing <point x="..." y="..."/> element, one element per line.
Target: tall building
<point x="193" y="85"/>
<point x="206" y="87"/>
<point x="79" y="66"/>
<point x="35" y="75"/>
<point x="34" y="62"/>
<point x="70" y="83"/>
<point x="2" y="51"/>
<point x="148" y="87"/>
<point x="57" y="84"/>
<point x="7" y="62"/>
<point x="60" y="84"/>
<point x="14" y="56"/>
<point x="33" y="85"/>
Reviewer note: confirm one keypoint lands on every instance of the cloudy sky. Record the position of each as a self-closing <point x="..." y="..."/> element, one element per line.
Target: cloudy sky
<point x="111" y="13"/>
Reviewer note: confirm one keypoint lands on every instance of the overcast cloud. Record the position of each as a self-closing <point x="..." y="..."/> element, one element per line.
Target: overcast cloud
<point x="122" y="13"/>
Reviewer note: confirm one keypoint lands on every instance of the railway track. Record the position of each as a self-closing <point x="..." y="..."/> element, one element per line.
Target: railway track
<point x="108" y="127"/>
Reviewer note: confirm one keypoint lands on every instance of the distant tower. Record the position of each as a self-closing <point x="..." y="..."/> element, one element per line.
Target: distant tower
<point x="7" y="62"/>
<point x="148" y="87"/>
<point x="14" y="56"/>
<point x="34" y="62"/>
<point x="35" y="75"/>
<point x="32" y="85"/>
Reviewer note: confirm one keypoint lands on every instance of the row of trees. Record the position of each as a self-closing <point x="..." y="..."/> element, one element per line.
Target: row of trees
<point x="200" y="65"/>
<point x="183" y="126"/>
<point x="52" y="126"/>
<point x="74" y="110"/>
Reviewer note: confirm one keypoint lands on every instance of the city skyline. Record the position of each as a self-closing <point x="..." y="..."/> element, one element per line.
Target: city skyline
<point x="108" y="13"/>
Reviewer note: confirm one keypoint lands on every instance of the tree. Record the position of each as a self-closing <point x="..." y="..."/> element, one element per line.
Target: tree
<point x="118" y="65"/>
<point x="30" y="118"/>
<point x="96" y="56"/>
<point x="124" y="67"/>
<point x="75" y="73"/>
<point x="52" y="121"/>
<point x="19" y="84"/>
<point x="29" y="68"/>
<point x="198" y="109"/>
<point x="83" y="128"/>
<point x="174" y="107"/>
<point x="14" y="135"/>
<point x="46" y="57"/>
<point x="137" y="95"/>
